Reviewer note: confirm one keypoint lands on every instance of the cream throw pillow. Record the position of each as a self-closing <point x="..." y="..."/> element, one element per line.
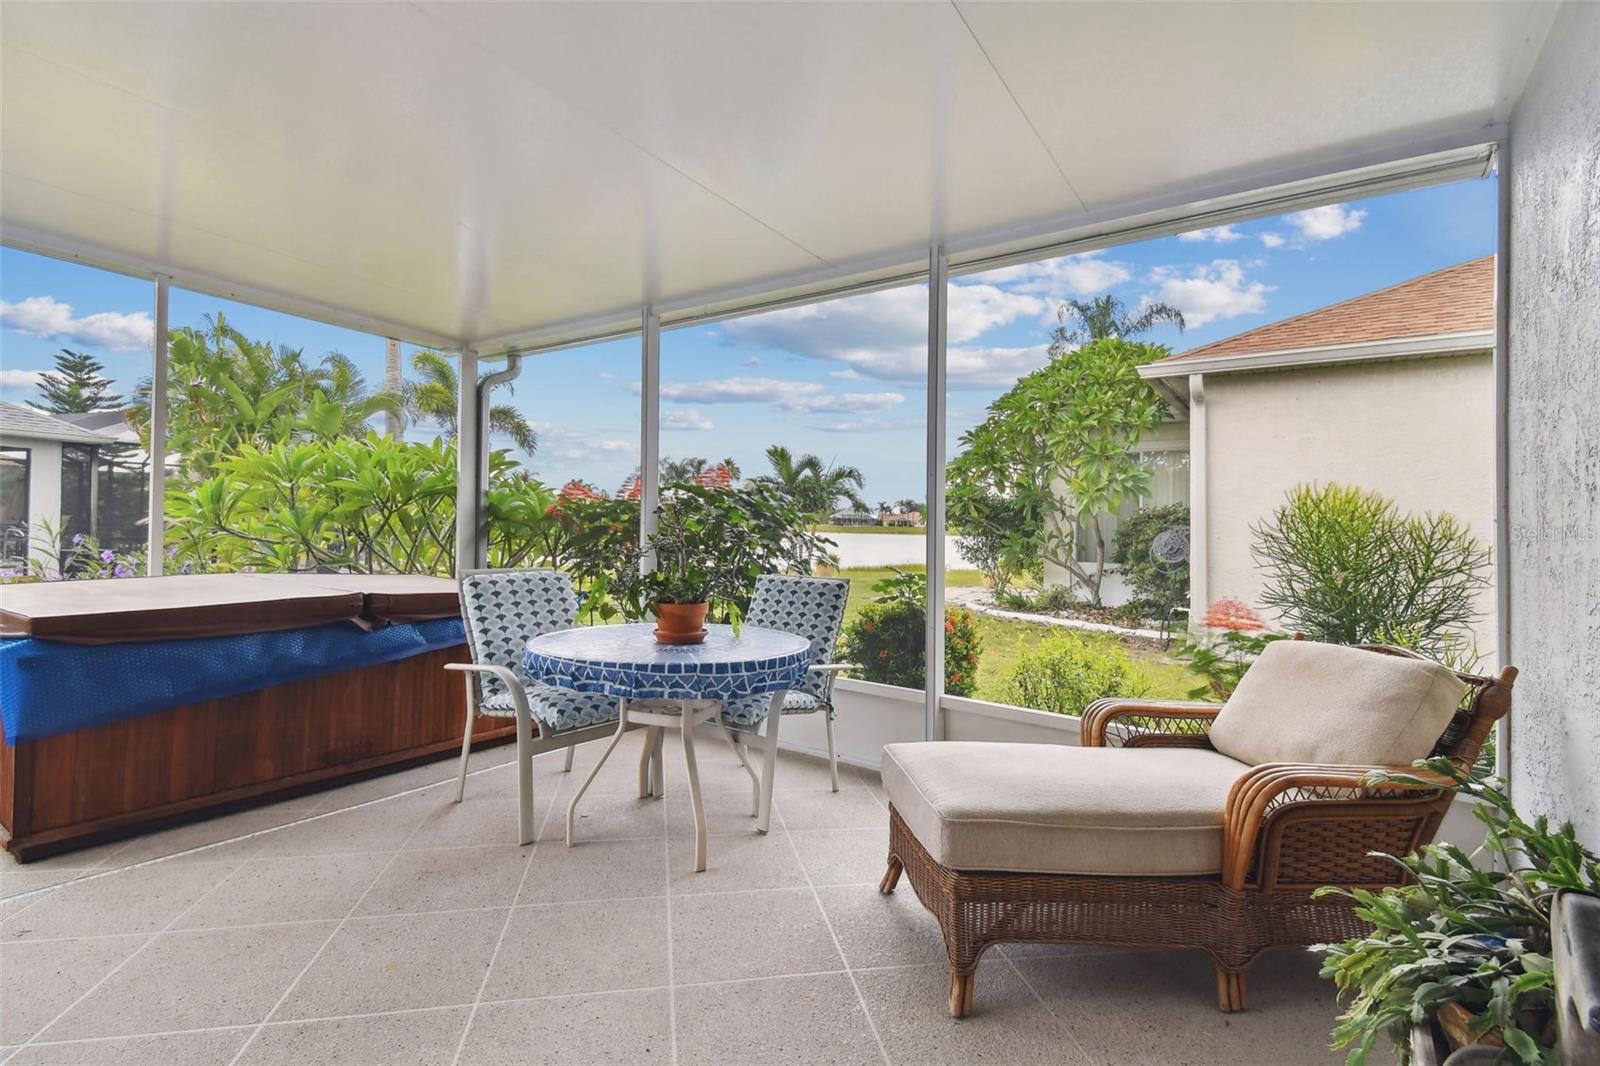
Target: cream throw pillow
<point x="1324" y="703"/>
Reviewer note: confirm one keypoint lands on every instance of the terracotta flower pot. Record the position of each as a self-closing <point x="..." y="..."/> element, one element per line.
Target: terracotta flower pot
<point x="680" y="623"/>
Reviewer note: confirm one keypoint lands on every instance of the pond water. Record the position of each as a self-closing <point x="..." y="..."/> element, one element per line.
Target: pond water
<point x="891" y="549"/>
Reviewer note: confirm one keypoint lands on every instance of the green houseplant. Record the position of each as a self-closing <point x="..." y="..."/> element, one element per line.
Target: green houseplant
<point x="1468" y="941"/>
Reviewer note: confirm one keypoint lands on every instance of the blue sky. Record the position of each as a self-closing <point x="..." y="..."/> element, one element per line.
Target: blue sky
<point x="843" y="379"/>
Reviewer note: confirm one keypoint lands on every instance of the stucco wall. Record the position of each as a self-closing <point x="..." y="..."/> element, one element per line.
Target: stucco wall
<point x="1554" y="397"/>
<point x="1419" y="431"/>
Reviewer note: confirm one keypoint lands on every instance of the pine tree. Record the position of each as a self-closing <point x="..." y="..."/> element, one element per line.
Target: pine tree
<point x="77" y="385"/>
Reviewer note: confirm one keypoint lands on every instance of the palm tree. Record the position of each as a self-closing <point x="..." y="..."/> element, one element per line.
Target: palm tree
<point x="432" y="398"/>
<point x="816" y="487"/>
<point x="343" y="385"/>
<point x="1107" y="316"/>
<point x="680" y="471"/>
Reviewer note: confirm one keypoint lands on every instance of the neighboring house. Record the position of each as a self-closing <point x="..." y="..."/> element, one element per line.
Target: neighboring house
<point x="852" y="518"/>
<point x="901" y="518"/>
<point x="48" y="480"/>
<point x="1392" y="391"/>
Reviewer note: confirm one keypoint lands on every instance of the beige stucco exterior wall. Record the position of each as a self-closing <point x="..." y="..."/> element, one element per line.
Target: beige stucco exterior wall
<point x="1420" y="431"/>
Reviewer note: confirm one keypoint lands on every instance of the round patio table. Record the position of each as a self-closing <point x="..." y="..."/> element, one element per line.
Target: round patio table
<point x="674" y="686"/>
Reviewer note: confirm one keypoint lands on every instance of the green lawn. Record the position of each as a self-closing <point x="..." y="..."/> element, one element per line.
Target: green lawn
<point x="1004" y="637"/>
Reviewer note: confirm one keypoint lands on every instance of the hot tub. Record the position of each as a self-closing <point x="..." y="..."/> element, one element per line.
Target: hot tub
<point x="132" y="703"/>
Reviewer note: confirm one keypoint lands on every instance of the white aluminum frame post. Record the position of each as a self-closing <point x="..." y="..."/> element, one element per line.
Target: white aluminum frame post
<point x="155" y="546"/>
<point x="938" y="332"/>
<point x="649" y="430"/>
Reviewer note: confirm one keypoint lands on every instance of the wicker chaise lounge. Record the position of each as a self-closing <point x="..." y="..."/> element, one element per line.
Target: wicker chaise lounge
<point x="1187" y="825"/>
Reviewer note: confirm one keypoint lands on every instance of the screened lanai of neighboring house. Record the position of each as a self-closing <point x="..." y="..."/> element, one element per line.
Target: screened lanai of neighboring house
<point x="505" y="183"/>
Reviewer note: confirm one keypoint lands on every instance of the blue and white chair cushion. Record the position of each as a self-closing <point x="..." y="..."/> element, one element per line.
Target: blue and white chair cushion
<point x="812" y="607"/>
<point x="503" y="609"/>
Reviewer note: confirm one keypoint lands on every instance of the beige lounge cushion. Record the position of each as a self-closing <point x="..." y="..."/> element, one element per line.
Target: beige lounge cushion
<point x="1324" y="703"/>
<point x="1048" y="808"/>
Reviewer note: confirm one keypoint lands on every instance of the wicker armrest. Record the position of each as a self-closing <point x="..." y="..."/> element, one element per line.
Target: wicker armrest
<point x="1366" y="812"/>
<point x="1154" y="723"/>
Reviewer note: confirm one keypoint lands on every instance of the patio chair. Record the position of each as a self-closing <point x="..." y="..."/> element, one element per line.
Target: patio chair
<point x="503" y="608"/>
<point x="811" y="607"/>
<point x="1188" y="825"/>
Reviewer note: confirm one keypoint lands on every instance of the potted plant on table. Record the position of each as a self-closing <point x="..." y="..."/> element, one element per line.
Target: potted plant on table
<point x="1466" y="946"/>
<point x="679" y="595"/>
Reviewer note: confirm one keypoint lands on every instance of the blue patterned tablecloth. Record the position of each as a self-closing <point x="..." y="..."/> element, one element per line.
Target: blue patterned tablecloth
<point x="628" y="663"/>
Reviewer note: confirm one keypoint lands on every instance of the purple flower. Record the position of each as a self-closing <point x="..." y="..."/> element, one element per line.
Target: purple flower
<point x="121" y="571"/>
<point x="8" y="573"/>
<point x="77" y="539"/>
<point x="108" y="556"/>
<point x="172" y="551"/>
<point x="185" y="568"/>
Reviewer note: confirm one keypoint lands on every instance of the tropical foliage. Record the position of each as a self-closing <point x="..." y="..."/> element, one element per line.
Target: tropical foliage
<point x="1469" y="930"/>
<point x="1160" y="584"/>
<point x="1344" y="565"/>
<point x="1055" y="455"/>
<point x="1081" y="321"/>
<point x="887" y="638"/>
<point x="432" y="398"/>
<point x="817" y="487"/>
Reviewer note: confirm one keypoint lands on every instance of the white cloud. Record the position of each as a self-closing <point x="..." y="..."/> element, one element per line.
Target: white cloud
<point x="847" y="374"/>
<point x="1208" y="293"/>
<point x="1215" y="234"/>
<point x="1272" y="240"/>
<point x="881" y="335"/>
<point x="685" y="418"/>
<point x="44" y="316"/>
<point x="20" y="379"/>
<point x="986" y="368"/>
<point x="1326" y="222"/>
<point x="754" y="360"/>
<point x="1083" y="274"/>
<point x="867" y="425"/>
<point x="567" y="443"/>
<point x="807" y="397"/>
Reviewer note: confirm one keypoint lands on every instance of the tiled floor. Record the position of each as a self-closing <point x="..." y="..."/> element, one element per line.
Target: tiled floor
<point x="411" y="930"/>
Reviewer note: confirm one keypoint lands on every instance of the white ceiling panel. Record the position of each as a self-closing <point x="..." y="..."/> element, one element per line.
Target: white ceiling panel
<point x="475" y="170"/>
<point x="1204" y="90"/>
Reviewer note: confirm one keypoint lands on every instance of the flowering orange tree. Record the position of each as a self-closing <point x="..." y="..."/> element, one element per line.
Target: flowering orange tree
<point x="1230" y="637"/>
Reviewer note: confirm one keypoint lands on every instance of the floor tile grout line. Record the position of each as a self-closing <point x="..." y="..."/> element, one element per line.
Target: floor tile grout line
<point x="151" y="939"/>
<point x="293" y="984"/>
<point x="284" y="1022"/>
<point x="511" y="912"/>
<point x="816" y="897"/>
<point x="1061" y="1023"/>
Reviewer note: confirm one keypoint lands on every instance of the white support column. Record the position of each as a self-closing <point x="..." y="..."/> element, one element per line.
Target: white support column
<point x="938" y="308"/>
<point x="155" y="545"/>
<point x="649" y="428"/>
<point x="1199" y="498"/>
<point x="469" y="492"/>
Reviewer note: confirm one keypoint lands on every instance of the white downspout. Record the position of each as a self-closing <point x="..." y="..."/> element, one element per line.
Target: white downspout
<point x="649" y="429"/>
<point x="469" y="500"/>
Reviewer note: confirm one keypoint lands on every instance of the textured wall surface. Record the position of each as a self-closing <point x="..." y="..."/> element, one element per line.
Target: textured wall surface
<point x="1555" y="426"/>
<point x="1420" y="431"/>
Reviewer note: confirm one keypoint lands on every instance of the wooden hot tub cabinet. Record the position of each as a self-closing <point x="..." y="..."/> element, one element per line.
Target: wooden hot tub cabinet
<point x="123" y="778"/>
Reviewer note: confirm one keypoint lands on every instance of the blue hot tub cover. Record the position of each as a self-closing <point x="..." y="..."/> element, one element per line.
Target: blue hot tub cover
<point x="49" y="687"/>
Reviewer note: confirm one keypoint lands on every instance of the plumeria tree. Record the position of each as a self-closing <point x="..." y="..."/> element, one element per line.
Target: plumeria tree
<point x="1054" y="456"/>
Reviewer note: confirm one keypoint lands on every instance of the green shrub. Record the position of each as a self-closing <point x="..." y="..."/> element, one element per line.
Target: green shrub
<point x="886" y="639"/>
<point x="1343" y="565"/>
<point x="1149" y="582"/>
<point x="1065" y="672"/>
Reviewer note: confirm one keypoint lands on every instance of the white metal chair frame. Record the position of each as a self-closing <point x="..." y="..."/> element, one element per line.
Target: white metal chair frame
<point x="533" y="736"/>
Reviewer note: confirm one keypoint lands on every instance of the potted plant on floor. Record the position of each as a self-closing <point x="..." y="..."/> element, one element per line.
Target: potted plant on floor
<point x="1465" y="947"/>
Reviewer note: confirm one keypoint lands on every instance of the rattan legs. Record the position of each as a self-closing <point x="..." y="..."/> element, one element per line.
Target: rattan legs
<point x="961" y="986"/>
<point x="891" y="876"/>
<point x="1230" y="991"/>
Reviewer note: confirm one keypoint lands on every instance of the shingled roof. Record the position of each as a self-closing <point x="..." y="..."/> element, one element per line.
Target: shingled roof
<point x="1457" y="299"/>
